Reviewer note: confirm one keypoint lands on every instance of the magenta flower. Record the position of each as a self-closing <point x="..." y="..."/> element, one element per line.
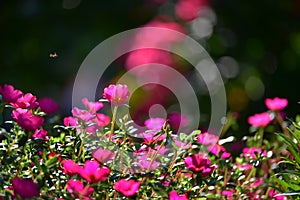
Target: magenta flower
<point x="103" y="155"/>
<point x="272" y="194"/>
<point x="144" y="162"/>
<point x="260" y="120"/>
<point x="83" y="115"/>
<point x="102" y="120"/>
<point x="178" y="120"/>
<point x="26" y="188"/>
<point x="155" y="124"/>
<point x="9" y="94"/>
<point x="225" y="155"/>
<point x="71" y="121"/>
<point x="150" y="137"/>
<point x="174" y="196"/>
<point x="92" y="107"/>
<point x="127" y="187"/>
<point x="216" y="149"/>
<point x="26" y="101"/>
<point x="155" y="37"/>
<point x="276" y="104"/>
<point x="199" y="163"/>
<point x="252" y="152"/>
<point x="48" y="105"/>
<point x="40" y="134"/>
<point x="189" y="9"/>
<point x="207" y="139"/>
<point x="77" y="188"/>
<point x="228" y="194"/>
<point x="145" y="56"/>
<point x="92" y="173"/>
<point x="117" y="94"/>
<point x="244" y="167"/>
<point x="27" y="120"/>
<point x="258" y="182"/>
<point x="70" y="167"/>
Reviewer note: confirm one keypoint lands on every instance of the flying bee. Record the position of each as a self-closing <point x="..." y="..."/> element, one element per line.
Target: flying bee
<point x="53" y="55"/>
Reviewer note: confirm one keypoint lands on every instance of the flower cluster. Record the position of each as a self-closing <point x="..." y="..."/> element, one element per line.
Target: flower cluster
<point x="91" y="156"/>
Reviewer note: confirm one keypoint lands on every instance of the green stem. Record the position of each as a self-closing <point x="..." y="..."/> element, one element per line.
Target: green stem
<point x="154" y="157"/>
<point x="267" y="193"/>
<point x="281" y="123"/>
<point x="252" y="173"/>
<point x="259" y="137"/>
<point x="122" y="153"/>
<point x="80" y="153"/>
<point x="112" y="124"/>
<point x="225" y="177"/>
<point x="173" y="161"/>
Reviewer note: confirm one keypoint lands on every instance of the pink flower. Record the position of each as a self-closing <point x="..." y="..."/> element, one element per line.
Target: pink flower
<point x="228" y="194"/>
<point x="225" y="155"/>
<point x="127" y="187"/>
<point x="26" y="188"/>
<point x="77" y="188"/>
<point x="149" y="137"/>
<point x="102" y="120"/>
<point x="188" y="9"/>
<point x="155" y="37"/>
<point x="258" y="182"/>
<point x="276" y="104"/>
<point x="216" y="149"/>
<point x="117" y="94"/>
<point x="92" y="173"/>
<point x="103" y="155"/>
<point x="71" y="121"/>
<point x="40" y="134"/>
<point x="199" y="163"/>
<point x="27" y="120"/>
<point x="178" y="120"/>
<point x="244" y="167"/>
<point x="272" y="194"/>
<point x="155" y="124"/>
<point x="145" y="56"/>
<point x="9" y="94"/>
<point x="174" y="196"/>
<point x="207" y="139"/>
<point x="83" y="115"/>
<point x="48" y="105"/>
<point x="260" y="120"/>
<point x="70" y="167"/>
<point x="252" y="152"/>
<point x="26" y="101"/>
<point x="144" y="162"/>
<point x="92" y="106"/>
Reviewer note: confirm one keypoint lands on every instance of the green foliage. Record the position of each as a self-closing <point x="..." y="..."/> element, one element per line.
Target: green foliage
<point x="289" y="168"/>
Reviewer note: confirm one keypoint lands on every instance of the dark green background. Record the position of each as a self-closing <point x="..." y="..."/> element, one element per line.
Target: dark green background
<point x="266" y="41"/>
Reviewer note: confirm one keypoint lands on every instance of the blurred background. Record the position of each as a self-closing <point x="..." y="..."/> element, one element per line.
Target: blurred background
<point x="255" y="44"/>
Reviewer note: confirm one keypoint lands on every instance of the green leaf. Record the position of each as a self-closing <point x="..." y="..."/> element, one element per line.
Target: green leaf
<point x="212" y="196"/>
<point x="292" y="146"/>
<point x="193" y="134"/>
<point x="52" y="161"/>
<point x="182" y="136"/>
<point x="37" y="163"/>
<point x="294" y="134"/>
